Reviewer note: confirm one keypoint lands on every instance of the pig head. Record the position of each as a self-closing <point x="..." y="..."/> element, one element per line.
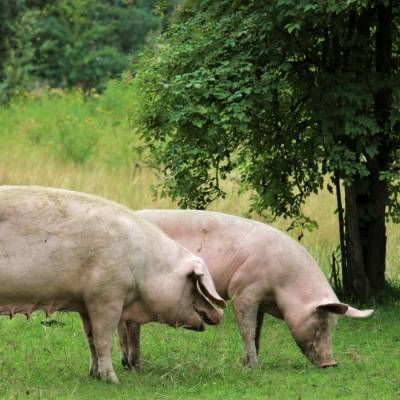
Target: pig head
<point x="184" y="296"/>
<point x="67" y="251"/>
<point x="312" y="331"/>
<point x="261" y="270"/>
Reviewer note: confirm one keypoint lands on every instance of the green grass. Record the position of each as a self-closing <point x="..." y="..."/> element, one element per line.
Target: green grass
<point x="62" y="139"/>
<point x="38" y="362"/>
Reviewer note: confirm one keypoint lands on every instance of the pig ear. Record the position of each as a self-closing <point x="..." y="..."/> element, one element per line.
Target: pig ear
<point x="205" y="285"/>
<point x="335" y="308"/>
<point x="345" y="309"/>
<point x="354" y="312"/>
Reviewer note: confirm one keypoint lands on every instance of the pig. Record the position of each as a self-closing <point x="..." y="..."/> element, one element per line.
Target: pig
<point x="261" y="270"/>
<point x="67" y="251"/>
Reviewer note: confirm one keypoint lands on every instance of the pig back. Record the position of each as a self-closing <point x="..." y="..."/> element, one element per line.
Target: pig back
<point x="241" y="250"/>
<point x="51" y="240"/>
<point x="223" y="241"/>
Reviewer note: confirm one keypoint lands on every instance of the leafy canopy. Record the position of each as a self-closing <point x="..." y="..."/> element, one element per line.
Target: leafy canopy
<point x="280" y="91"/>
<point x="66" y="43"/>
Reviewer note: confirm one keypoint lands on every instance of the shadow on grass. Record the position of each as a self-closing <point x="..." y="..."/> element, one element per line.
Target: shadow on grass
<point x="390" y="294"/>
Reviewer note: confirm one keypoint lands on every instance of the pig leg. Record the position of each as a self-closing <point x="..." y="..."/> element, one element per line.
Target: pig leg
<point x="94" y="366"/>
<point x="123" y="341"/>
<point x="133" y="330"/>
<point x="246" y="317"/>
<point x="260" y="319"/>
<point x="104" y="320"/>
<point x="129" y="337"/>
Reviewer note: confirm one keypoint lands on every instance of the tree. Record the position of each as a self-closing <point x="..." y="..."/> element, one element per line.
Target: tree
<point x="285" y="93"/>
<point x="11" y="70"/>
<point x="66" y="43"/>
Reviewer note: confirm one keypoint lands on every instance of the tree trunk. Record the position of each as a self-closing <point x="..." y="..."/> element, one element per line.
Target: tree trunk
<point x="366" y="198"/>
<point x="355" y="280"/>
<point x="365" y="238"/>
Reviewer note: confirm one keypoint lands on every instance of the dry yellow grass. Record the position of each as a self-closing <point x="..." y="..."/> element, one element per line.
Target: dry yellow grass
<point x="123" y="185"/>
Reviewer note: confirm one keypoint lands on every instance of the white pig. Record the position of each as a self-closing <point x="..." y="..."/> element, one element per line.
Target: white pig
<point x="261" y="270"/>
<point x="66" y="251"/>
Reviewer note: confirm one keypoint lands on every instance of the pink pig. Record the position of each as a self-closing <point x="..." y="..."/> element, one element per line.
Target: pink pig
<point x="68" y="251"/>
<point x="261" y="270"/>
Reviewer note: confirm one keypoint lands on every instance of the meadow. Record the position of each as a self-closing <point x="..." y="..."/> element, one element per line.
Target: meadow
<point x="69" y="140"/>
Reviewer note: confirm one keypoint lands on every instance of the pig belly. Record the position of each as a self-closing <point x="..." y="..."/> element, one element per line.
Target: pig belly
<point x="47" y="307"/>
<point x="42" y="276"/>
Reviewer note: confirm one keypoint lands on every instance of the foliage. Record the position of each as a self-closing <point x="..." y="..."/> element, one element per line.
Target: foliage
<point x="14" y="63"/>
<point x="250" y="86"/>
<point x="68" y="43"/>
<point x="8" y="12"/>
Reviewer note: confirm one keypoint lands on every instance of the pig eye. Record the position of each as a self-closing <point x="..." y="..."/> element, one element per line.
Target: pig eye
<point x="193" y="278"/>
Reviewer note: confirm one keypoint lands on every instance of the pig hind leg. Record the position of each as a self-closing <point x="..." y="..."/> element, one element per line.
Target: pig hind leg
<point x="123" y="342"/>
<point x="260" y="320"/>
<point x="129" y="334"/>
<point x="104" y="318"/>
<point x="246" y="317"/>
<point x="134" y="345"/>
<point x="87" y="327"/>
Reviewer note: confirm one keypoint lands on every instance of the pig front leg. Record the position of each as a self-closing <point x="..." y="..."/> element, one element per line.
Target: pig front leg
<point x="94" y="366"/>
<point x="129" y="337"/>
<point x="104" y="318"/>
<point x="245" y="311"/>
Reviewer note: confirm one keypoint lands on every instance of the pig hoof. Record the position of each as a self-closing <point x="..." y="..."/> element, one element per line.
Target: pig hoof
<point x="134" y="362"/>
<point x="110" y="377"/>
<point x="329" y="365"/>
<point x="94" y="373"/>
<point x="131" y="364"/>
<point x="125" y="363"/>
<point x="249" y="363"/>
<point x="113" y="380"/>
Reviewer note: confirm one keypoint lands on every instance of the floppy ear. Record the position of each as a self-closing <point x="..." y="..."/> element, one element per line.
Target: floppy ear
<point x="205" y="285"/>
<point x="335" y="308"/>
<point x="354" y="312"/>
<point x="345" y="309"/>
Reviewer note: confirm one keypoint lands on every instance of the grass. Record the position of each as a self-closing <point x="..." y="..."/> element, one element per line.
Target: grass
<point x="39" y="362"/>
<point x="59" y="139"/>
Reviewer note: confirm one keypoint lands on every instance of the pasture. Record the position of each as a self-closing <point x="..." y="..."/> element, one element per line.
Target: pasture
<point x="60" y="139"/>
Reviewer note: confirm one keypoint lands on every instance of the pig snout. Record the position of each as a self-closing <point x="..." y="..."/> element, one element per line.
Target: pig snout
<point x="211" y="316"/>
<point x="328" y="364"/>
<point x="319" y="358"/>
<point x="197" y="328"/>
<point x="194" y="322"/>
<point x="319" y="354"/>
